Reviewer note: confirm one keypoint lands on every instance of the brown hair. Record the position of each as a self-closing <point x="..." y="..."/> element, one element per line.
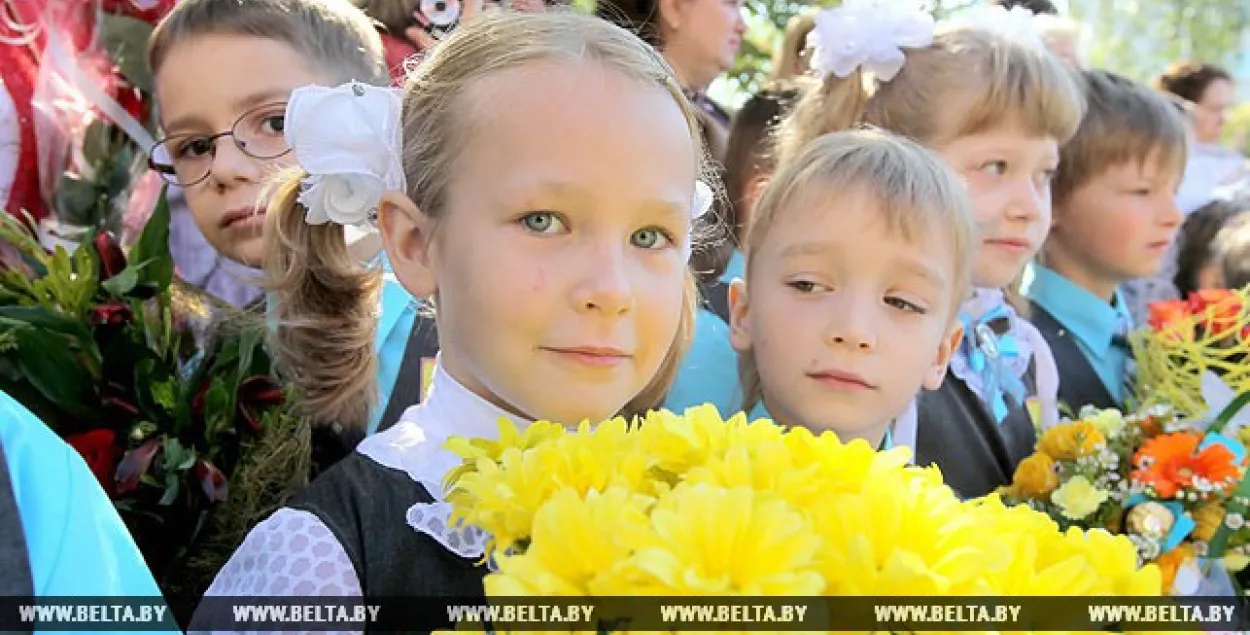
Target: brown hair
<point x="749" y="154"/>
<point x="1195" y="244"/>
<point x="792" y="55"/>
<point x="917" y="193"/>
<point x="333" y="35"/>
<point x="1232" y="248"/>
<point x="967" y="81"/>
<point x="394" y="16"/>
<point x="1190" y="80"/>
<point x="1124" y="121"/>
<point x="1037" y="7"/>
<point x="324" y="303"/>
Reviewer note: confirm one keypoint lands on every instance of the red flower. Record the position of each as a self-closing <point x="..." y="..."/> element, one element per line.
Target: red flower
<point x="1166" y="317"/>
<point x="131" y="99"/>
<point x="212" y="480"/>
<point x="135" y="464"/>
<point x="257" y="393"/>
<point x="1219" y="310"/>
<point x="100" y="450"/>
<point x="112" y="258"/>
<point x="112" y="314"/>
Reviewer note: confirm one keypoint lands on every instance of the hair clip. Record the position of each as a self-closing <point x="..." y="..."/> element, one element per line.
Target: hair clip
<point x="868" y="34"/>
<point x="703" y="200"/>
<point x="348" y="139"/>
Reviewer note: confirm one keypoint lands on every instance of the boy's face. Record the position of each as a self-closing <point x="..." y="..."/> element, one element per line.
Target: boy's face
<point x="205" y="86"/>
<point x="846" y="319"/>
<point x="1007" y="172"/>
<point x="1119" y="224"/>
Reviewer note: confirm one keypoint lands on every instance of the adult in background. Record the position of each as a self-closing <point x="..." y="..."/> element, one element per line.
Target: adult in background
<point x="1211" y="165"/>
<point x="1038" y="7"/>
<point x="698" y="38"/>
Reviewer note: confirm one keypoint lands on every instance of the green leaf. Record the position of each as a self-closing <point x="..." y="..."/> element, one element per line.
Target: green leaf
<point x="124" y="282"/>
<point x="97" y="143"/>
<point x="218" y="407"/>
<point x="77" y="201"/>
<point x="41" y="317"/>
<point x="152" y="249"/>
<point x="126" y="41"/>
<point x="119" y="176"/>
<point x="173" y="485"/>
<point x="52" y="368"/>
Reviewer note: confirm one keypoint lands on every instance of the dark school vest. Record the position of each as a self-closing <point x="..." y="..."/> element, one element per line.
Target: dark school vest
<point x="365" y="506"/>
<point x="422" y="344"/>
<point x="956" y="432"/>
<point x="15" y="574"/>
<point x="1079" y="383"/>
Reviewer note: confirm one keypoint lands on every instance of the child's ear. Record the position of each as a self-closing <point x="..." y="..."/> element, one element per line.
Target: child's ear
<point x="406" y="237"/>
<point x="946" y="348"/>
<point x="739" y="314"/>
<point x="755" y="188"/>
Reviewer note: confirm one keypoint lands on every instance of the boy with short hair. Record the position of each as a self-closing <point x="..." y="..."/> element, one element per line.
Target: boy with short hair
<point x="1232" y="250"/>
<point x="1115" y="217"/>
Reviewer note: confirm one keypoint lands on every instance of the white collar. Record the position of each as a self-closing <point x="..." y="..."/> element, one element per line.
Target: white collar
<point x="414" y="445"/>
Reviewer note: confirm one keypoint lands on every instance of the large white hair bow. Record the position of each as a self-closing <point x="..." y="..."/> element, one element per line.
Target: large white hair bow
<point x="349" y="141"/>
<point x="1017" y="24"/>
<point x="870" y="34"/>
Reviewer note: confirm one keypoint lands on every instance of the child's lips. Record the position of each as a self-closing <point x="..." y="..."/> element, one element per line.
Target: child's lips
<point x="842" y="380"/>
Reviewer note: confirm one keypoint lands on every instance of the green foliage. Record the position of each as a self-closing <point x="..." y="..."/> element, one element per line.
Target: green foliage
<point x="1139" y="39"/>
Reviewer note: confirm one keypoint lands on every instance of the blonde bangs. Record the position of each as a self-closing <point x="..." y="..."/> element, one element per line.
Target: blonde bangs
<point x="1012" y="84"/>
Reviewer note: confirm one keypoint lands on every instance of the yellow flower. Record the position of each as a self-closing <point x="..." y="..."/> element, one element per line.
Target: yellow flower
<point x="1071" y="440"/>
<point x="1035" y="476"/>
<point x="503" y="497"/>
<point x="472" y="450"/>
<point x="900" y="535"/>
<point x="708" y="540"/>
<point x="574" y="541"/>
<point x="1108" y="422"/>
<point x="1079" y="498"/>
<point x="1207" y="519"/>
<point x="680" y="443"/>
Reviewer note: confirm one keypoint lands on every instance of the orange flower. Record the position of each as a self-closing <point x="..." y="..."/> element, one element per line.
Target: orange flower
<point x="1171" y="561"/>
<point x="1218" y="310"/>
<point x="1170" y="462"/>
<point x="1168" y="317"/>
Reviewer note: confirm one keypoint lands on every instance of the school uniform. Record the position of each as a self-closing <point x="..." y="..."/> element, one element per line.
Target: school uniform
<point x="980" y="423"/>
<point x="376" y="524"/>
<point x="59" y="532"/>
<point x="406" y="344"/>
<point x="1088" y="337"/>
<point x="709" y="370"/>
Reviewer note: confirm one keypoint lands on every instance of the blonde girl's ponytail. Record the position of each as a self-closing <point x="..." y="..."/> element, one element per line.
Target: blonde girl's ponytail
<point x="322" y="308"/>
<point x="832" y="104"/>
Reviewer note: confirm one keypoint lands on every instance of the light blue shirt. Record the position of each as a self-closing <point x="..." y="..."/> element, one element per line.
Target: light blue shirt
<point x="709" y="371"/>
<point x="1092" y="321"/>
<point x="398" y="317"/>
<point x="77" y="544"/>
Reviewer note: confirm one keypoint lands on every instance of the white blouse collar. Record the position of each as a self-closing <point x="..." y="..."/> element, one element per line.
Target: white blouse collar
<point x="415" y="445"/>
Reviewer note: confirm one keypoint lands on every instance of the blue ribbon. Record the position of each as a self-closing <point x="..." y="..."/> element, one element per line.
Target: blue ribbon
<point x="987" y="353"/>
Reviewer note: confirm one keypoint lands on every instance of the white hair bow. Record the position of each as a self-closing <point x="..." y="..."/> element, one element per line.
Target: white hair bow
<point x="868" y="34"/>
<point x="1016" y="25"/>
<point x="348" y="139"/>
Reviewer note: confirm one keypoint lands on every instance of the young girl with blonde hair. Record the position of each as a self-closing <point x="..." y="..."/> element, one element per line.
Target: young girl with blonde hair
<point x="992" y="102"/>
<point x="560" y="281"/>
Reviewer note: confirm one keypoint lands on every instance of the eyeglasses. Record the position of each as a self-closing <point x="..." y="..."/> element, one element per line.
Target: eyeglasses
<point x="187" y="159"/>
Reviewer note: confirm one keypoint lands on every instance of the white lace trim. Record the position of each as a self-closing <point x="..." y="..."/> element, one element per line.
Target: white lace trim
<point x="415" y="446"/>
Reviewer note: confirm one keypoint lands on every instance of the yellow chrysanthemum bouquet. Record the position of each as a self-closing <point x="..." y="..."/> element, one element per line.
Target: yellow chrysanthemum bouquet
<point x="696" y="505"/>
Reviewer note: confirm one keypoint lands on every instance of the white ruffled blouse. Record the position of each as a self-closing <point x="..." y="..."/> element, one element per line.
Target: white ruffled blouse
<point x="292" y="553"/>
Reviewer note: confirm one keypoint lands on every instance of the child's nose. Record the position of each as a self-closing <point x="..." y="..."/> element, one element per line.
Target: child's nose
<point x="852" y="325"/>
<point x="605" y="285"/>
<point x="231" y="166"/>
